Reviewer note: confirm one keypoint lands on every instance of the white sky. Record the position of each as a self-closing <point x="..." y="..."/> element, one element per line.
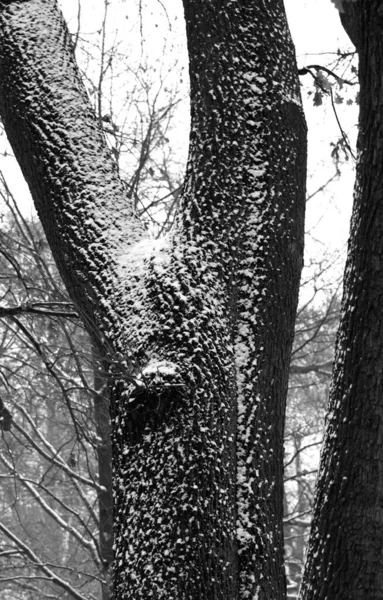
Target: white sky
<point x="316" y="30"/>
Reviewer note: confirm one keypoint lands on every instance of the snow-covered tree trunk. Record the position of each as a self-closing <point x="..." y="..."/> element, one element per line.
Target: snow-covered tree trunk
<point x="346" y="543"/>
<point x="196" y="330"/>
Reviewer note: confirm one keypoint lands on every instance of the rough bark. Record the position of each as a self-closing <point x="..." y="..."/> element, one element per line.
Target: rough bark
<point x="346" y="544"/>
<point x="245" y="101"/>
<point x="195" y="330"/>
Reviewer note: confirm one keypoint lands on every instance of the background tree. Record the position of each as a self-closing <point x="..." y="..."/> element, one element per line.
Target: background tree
<point x="344" y="558"/>
<point x="310" y="374"/>
<point x="138" y="106"/>
<point x="329" y="74"/>
<point x="165" y="327"/>
<point x="56" y="519"/>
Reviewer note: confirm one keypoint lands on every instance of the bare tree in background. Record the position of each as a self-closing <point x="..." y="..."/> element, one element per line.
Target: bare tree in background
<point x="310" y="374"/>
<point x="55" y="458"/>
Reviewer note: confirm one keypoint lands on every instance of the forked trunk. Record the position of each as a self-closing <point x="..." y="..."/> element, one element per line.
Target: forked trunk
<point x="195" y="330"/>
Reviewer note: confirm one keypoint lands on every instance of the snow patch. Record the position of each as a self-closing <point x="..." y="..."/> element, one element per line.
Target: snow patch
<point x="256" y="595"/>
<point x="134" y="259"/>
<point x="160" y="367"/>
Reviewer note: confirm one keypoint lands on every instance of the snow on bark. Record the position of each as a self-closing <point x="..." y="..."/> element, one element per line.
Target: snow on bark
<point x="73" y="179"/>
<point x="245" y="98"/>
<point x="195" y="331"/>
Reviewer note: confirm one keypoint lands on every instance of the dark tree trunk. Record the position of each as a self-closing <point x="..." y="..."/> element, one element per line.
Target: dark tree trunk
<point x="195" y="330"/>
<point x="346" y="544"/>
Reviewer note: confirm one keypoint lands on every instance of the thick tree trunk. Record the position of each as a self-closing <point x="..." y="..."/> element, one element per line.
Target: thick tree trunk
<point x="346" y="544"/>
<point x="245" y="101"/>
<point x="196" y="331"/>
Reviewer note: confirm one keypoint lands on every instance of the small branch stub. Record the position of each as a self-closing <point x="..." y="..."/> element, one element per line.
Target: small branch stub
<point x="158" y="376"/>
<point x="159" y="380"/>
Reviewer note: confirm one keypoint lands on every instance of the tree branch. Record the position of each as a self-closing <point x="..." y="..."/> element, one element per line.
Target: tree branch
<point x="51" y="575"/>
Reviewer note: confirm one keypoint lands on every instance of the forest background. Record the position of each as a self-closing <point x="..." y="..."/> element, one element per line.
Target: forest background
<point x="55" y="503"/>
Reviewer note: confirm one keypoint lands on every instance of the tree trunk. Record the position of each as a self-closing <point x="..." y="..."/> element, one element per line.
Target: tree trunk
<point x="346" y="543"/>
<point x="195" y="330"/>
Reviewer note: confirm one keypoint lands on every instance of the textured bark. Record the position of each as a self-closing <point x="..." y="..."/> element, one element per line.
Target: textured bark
<point x="195" y="330"/>
<point x="346" y="544"/>
<point x="248" y="184"/>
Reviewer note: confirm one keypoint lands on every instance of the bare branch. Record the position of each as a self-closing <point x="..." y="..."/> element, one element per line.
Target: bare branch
<point x="51" y="575"/>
